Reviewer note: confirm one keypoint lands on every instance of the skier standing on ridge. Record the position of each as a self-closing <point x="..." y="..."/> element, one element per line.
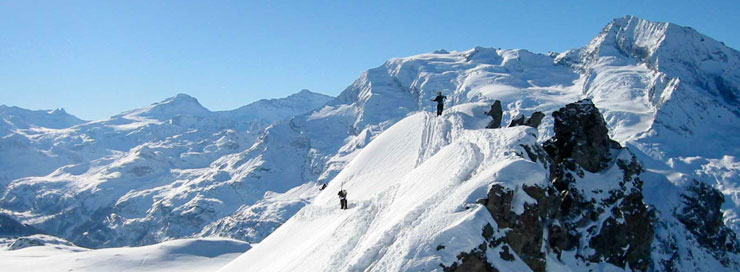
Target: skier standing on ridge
<point x="440" y="102"/>
<point x="342" y="199"/>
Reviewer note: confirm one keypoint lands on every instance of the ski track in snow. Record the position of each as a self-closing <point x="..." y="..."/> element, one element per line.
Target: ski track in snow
<point x="399" y="217"/>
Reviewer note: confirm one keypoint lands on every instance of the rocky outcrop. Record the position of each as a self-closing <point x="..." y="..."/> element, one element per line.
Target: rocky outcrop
<point x="518" y="120"/>
<point x="475" y="260"/>
<point x="496" y="112"/>
<point x="525" y="235"/>
<point x="37" y="240"/>
<point x="701" y="215"/>
<point x="600" y="218"/>
<point x="616" y="221"/>
<point x="581" y="136"/>
<point x="533" y="121"/>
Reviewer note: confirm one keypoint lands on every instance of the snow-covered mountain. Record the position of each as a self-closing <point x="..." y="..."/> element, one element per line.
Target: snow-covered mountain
<point x="142" y="176"/>
<point x="667" y="93"/>
<point x="17" y="118"/>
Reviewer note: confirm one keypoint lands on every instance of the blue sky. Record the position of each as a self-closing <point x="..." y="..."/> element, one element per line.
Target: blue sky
<point x="98" y="58"/>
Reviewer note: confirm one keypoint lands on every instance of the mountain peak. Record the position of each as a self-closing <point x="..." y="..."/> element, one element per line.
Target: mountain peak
<point x="648" y="41"/>
<point x="170" y="107"/>
<point x="305" y="93"/>
<point x="624" y="20"/>
<point x="628" y="36"/>
<point x="281" y="108"/>
<point x="678" y="51"/>
<point x="181" y="98"/>
<point x="24" y="118"/>
<point x="58" y="111"/>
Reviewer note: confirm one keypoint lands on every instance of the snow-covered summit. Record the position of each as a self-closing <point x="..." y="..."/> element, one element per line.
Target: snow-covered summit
<point x="677" y="51"/>
<point x="277" y="109"/>
<point x="17" y="118"/>
<point x="168" y="108"/>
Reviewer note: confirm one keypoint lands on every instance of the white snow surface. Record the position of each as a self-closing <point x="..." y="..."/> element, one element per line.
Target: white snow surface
<point x="177" y="255"/>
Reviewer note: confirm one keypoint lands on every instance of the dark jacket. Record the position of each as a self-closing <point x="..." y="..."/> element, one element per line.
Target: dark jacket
<point x="439" y="99"/>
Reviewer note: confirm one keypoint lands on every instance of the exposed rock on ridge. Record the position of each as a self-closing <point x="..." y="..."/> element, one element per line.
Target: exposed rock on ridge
<point x="599" y="219"/>
<point x="703" y="218"/>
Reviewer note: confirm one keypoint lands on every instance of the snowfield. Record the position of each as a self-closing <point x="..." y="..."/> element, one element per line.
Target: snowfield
<point x="179" y="255"/>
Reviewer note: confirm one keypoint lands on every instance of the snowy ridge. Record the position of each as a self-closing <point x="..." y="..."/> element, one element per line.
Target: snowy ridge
<point x="401" y="211"/>
<point x="17" y="118"/>
<point x="268" y="110"/>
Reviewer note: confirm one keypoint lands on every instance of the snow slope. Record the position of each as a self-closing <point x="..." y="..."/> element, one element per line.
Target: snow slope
<point x="177" y="255"/>
<point x="410" y="190"/>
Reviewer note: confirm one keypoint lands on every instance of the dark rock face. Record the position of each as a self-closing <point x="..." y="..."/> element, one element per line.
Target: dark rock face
<point x="496" y="112"/>
<point x="581" y="135"/>
<point x="475" y="260"/>
<point x="628" y="241"/>
<point x="525" y="236"/>
<point x="622" y="237"/>
<point x="533" y="121"/>
<point x="702" y="217"/>
<point x="518" y="120"/>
